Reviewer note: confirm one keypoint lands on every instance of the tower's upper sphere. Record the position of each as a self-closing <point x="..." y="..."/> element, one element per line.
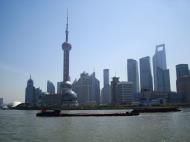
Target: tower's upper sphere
<point x="66" y="46"/>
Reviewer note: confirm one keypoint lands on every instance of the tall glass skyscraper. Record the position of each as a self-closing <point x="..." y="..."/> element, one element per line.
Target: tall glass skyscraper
<point x="87" y="88"/>
<point x="114" y="93"/>
<point x="30" y="96"/>
<point x="161" y="73"/>
<point x="182" y="70"/>
<point x="105" y="96"/>
<point x="132" y="72"/>
<point x="145" y="74"/>
<point x="50" y="87"/>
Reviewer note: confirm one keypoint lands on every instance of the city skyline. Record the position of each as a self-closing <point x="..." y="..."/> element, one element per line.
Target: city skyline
<point x="35" y="48"/>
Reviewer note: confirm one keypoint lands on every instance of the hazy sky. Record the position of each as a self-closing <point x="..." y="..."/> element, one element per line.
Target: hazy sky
<point x="103" y="34"/>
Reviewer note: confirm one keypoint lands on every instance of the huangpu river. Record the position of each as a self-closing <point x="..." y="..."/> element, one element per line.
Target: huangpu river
<point x="24" y="126"/>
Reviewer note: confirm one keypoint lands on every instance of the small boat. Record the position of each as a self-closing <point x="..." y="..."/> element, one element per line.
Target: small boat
<point x="57" y="113"/>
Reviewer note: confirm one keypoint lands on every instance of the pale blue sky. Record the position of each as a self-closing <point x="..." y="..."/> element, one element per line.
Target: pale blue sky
<point x="103" y="33"/>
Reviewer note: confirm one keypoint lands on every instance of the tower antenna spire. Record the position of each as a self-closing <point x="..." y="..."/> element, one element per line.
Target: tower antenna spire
<point x="67" y="28"/>
<point x="66" y="46"/>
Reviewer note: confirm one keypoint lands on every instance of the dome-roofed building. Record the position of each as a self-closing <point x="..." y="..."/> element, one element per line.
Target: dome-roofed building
<point x="14" y="104"/>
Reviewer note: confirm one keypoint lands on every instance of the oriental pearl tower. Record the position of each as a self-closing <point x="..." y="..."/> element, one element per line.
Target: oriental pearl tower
<point x="69" y="96"/>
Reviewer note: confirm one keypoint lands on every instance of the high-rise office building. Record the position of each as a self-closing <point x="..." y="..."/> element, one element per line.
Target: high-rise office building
<point x="183" y="88"/>
<point x="33" y="95"/>
<point x="161" y="73"/>
<point x="38" y="95"/>
<point x="50" y="87"/>
<point x="182" y="70"/>
<point x="145" y="74"/>
<point x="82" y="88"/>
<point x="87" y="88"/>
<point x="95" y="89"/>
<point x="30" y="96"/>
<point x="114" y="93"/>
<point x="183" y="81"/>
<point x="105" y="96"/>
<point x="132" y="73"/>
<point x="125" y="92"/>
<point x="59" y="86"/>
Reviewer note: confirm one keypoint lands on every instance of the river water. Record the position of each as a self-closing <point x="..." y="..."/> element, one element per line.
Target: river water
<point x="24" y="126"/>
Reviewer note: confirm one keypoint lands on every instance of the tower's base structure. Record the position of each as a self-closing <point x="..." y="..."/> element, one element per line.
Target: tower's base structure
<point x="69" y="97"/>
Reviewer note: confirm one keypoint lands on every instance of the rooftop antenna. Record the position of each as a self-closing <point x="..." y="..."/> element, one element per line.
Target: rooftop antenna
<point x="67" y="27"/>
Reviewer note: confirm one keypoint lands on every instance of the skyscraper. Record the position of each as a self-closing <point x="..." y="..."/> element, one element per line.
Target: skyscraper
<point x="182" y="70"/>
<point x="161" y="73"/>
<point x="50" y="87"/>
<point x="38" y="95"/>
<point x="132" y="73"/>
<point x="183" y="81"/>
<point x="59" y="85"/>
<point x="82" y="88"/>
<point x="114" y="92"/>
<point x="145" y="74"/>
<point x="106" y="88"/>
<point x="125" y="92"/>
<point x="30" y="96"/>
<point x="95" y="89"/>
<point x="87" y="88"/>
<point x="183" y="88"/>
